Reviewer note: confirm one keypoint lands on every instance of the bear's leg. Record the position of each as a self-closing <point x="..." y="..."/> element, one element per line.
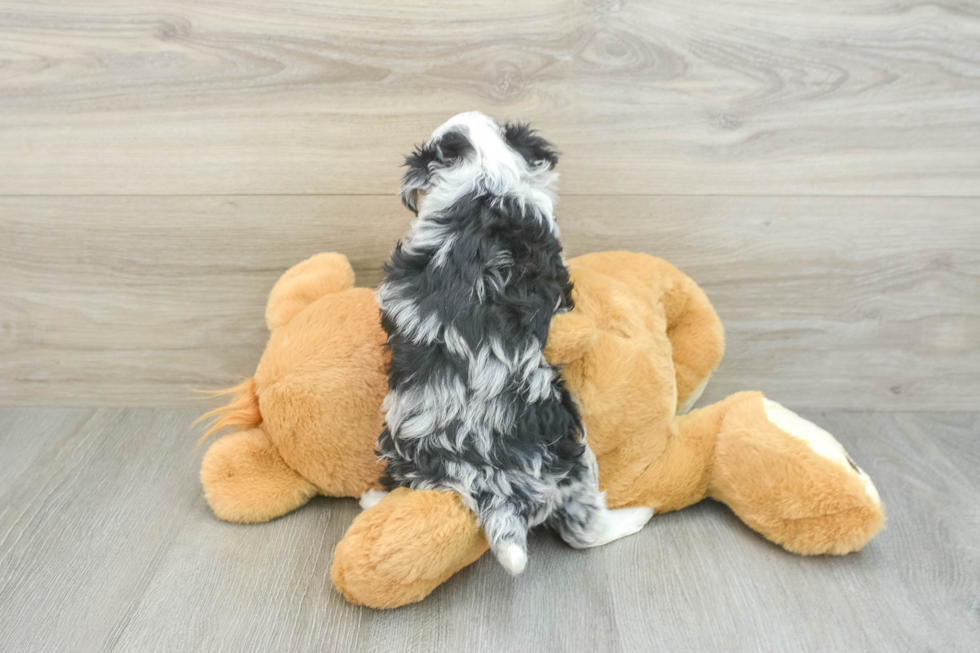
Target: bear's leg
<point x="407" y="545"/>
<point x="791" y="481"/>
<point x="676" y="471"/>
<point x="782" y="475"/>
<point x="246" y="481"/>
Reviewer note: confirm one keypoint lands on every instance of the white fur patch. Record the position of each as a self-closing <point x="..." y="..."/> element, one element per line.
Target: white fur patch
<point x="405" y="313"/>
<point x="455" y="342"/>
<point x="512" y="558"/>
<point x="371" y="498"/>
<point x="419" y="411"/>
<point x="820" y="441"/>
<point x="488" y="375"/>
<point x="612" y="525"/>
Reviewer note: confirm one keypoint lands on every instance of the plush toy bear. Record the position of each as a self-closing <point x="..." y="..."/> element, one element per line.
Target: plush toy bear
<point x="636" y="352"/>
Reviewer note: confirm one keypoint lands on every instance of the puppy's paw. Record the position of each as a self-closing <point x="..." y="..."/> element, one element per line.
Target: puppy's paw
<point x="620" y="523"/>
<point x="512" y="557"/>
<point x="371" y="498"/>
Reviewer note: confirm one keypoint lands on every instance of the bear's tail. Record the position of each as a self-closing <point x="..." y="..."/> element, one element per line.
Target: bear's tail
<point x="242" y="411"/>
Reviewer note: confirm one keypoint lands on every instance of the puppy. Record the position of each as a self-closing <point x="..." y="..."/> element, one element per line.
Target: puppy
<point x="469" y="293"/>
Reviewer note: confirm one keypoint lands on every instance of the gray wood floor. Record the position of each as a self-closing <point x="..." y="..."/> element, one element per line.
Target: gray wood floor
<point x="106" y="544"/>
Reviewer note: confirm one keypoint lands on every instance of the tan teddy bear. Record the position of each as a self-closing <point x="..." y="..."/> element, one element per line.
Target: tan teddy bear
<point x="636" y="352"/>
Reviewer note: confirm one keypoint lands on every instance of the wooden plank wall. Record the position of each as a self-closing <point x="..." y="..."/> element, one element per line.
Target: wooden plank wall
<point x="815" y="166"/>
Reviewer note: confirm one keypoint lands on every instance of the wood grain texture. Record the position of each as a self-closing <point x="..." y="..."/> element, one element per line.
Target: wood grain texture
<point x="106" y="544"/>
<point x="828" y="302"/>
<point x="83" y="526"/>
<point x="673" y="97"/>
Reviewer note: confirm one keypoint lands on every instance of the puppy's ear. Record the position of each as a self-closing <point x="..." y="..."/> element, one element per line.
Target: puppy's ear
<point x="427" y="159"/>
<point x="536" y="150"/>
<point x="418" y="174"/>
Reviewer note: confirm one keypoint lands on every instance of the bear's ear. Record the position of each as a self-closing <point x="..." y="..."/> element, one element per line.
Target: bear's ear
<point x="443" y="151"/>
<point x="536" y="150"/>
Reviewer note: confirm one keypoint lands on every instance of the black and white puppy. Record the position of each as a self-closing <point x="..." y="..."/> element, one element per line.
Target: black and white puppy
<point x="472" y="405"/>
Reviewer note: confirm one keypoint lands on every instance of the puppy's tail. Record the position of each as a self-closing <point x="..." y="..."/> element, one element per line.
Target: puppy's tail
<point x="506" y="530"/>
<point x="242" y="411"/>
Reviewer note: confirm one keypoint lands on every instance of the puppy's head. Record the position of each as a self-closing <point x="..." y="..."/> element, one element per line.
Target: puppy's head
<point x="471" y="152"/>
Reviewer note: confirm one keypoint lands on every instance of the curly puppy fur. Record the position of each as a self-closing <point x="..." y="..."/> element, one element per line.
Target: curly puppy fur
<point x="472" y="405"/>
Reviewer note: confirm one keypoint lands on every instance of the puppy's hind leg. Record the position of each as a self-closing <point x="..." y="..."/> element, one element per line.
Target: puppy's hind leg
<point x="583" y="520"/>
<point x="371" y="498"/>
<point x="611" y="525"/>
